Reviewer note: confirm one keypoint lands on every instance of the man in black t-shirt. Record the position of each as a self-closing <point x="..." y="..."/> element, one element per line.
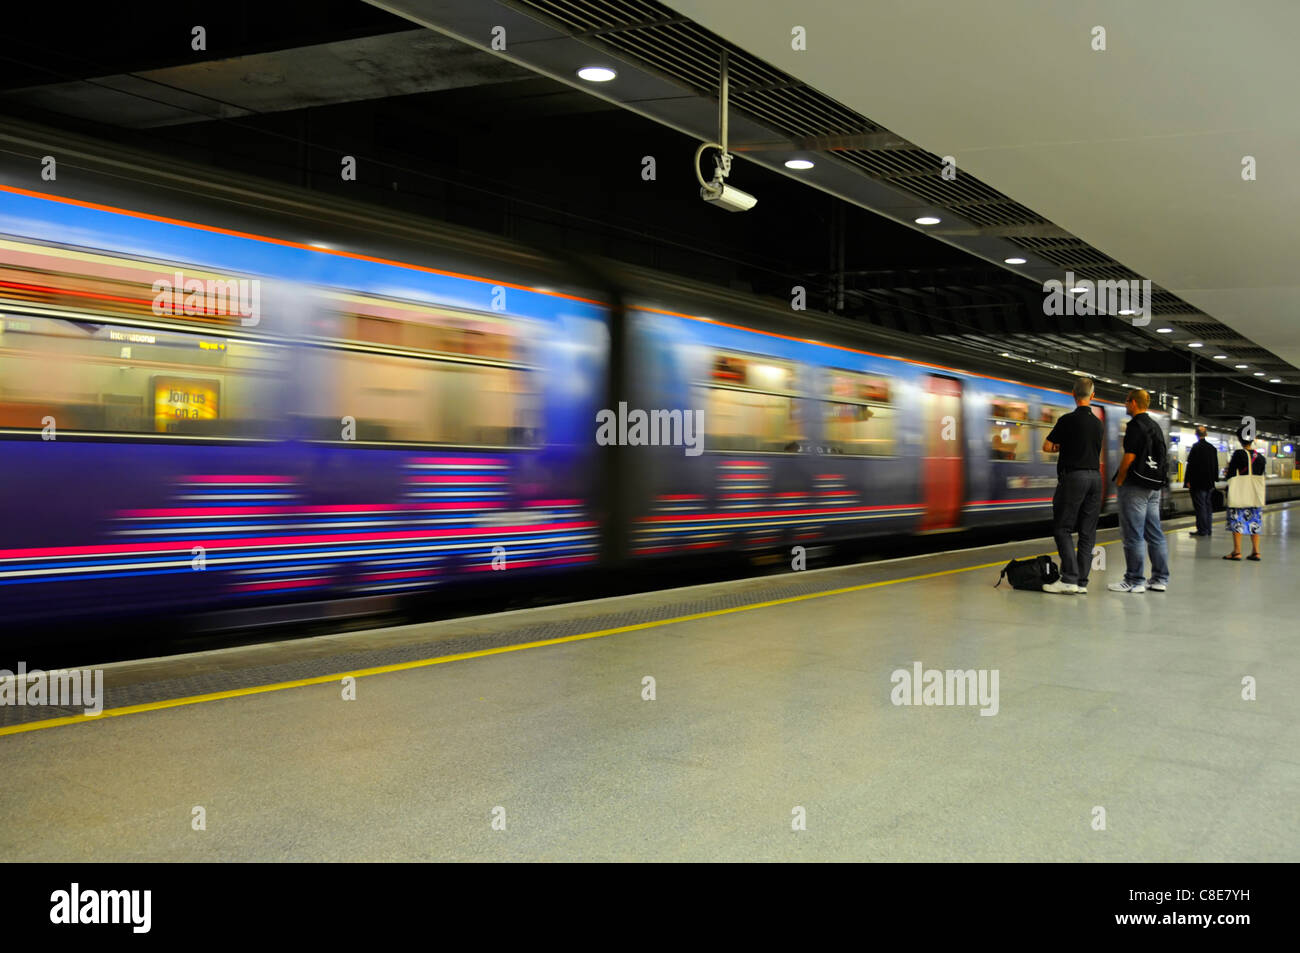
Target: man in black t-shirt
<point x="1140" y="479"/>
<point x="1077" y="438"/>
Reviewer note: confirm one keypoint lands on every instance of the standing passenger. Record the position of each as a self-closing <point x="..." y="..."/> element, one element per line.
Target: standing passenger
<point x="1202" y="471"/>
<point x="1077" y="438"/>
<point x="1140" y="479"/>
<point x="1243" y="520"/>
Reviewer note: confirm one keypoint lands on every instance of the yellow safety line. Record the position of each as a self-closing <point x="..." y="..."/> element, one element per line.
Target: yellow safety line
<point x="439" y="660"/>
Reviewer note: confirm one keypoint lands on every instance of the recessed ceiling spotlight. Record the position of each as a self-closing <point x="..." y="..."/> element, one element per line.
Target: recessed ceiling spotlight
<point x="927" y="220"/>
<point x="1014" y="261"/>
<point x="799" y="164"/>
<point x="1196" y="344"/>
<point x="1127" y="311"/>
<point x="1220" y="357"/>
<point x="596" y="74"/>
<point x="1164" y="330"/>
<point x="1241" y="367"/>
<point x="1275" y="380"/>
<point x="1259" y="373"/>
<point x="1077" y="291"/>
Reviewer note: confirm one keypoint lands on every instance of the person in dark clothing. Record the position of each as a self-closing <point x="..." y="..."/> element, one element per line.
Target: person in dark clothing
<point x="1201" y="473"/>
<point x="1077" y="437"/>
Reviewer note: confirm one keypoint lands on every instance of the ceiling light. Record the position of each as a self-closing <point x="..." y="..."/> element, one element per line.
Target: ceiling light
<point x="1196" y="344"/>
<point x="798" y="164"/>
<point x="1077" y="291"/>
<point x="1128" y="311"/>
<point x="596" y="74"/>
<point x="1220" y="357"/>
<point x="1164" y="330"/>
<point x="927" y="220"/>
<point x="1014" y="261"/>
<point x="1275" y="380"/>
<point x="1259" y="373"/>
<point x="1241" y="367"/>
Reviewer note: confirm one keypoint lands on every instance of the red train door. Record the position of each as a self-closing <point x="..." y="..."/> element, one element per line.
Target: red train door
<point x="943" y="473"/>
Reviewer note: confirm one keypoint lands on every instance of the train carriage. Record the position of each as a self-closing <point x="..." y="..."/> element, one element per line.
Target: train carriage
<point x="255" y="408"/>
<point x="816" y="440"/>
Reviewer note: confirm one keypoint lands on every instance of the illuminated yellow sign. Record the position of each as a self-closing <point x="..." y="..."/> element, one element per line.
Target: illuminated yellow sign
<point x="178" y="400"/>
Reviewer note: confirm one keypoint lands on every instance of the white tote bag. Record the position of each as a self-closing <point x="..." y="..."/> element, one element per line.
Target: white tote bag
<point x="1246" y="491"/>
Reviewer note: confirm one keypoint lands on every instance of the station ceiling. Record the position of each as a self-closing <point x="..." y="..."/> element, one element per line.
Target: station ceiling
<point x="1136" y="148"/>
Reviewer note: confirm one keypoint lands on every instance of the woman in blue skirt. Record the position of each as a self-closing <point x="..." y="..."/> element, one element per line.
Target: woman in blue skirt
<point x="1245" y="520"/>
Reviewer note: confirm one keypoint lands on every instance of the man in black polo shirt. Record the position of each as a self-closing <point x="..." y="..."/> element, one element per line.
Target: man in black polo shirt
<point x="1077" y="438"/>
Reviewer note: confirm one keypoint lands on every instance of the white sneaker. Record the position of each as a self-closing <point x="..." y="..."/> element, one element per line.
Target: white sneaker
<point x="1157" y="586"/>
<point x="1081" y="590"/>
<point x="1126" y="587"/>
<point x="1059" y="586"/>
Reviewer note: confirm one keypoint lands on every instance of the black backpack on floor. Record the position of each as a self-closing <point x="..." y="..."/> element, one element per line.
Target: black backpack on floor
<point x="1030" y="574"/>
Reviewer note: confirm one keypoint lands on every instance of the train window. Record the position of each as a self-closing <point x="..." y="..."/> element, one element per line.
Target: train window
<point x="398" y="399"/>
<point x="108" y="378"/>
<point x="751" y="406"/>
<point x="1012" y="410"/>
<point x="1010" y="435"/>
<point x="849" y="385"/>
<point x="1049" y="415"/>
<point x="747" y="420"/>
<point x="444" y="332"/>
<point x="1045" y="420"/>
<point x="753" y="373"/>
<point x="858" y="418"/>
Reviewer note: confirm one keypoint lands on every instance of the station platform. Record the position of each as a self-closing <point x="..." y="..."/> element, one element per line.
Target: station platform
<point x="774" y="709"/>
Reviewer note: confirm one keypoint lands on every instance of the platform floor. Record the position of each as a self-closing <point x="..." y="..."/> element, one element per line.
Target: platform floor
<point x="1131" y="703"/>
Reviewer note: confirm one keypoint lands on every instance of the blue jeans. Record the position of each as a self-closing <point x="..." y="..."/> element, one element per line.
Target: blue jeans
<point x="1139" y="521"/>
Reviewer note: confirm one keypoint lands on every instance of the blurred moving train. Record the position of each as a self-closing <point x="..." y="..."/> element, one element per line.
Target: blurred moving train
<point x="213" y="394"/>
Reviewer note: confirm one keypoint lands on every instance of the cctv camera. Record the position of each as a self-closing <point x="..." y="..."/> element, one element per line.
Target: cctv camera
<point x="729" y="197"/>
